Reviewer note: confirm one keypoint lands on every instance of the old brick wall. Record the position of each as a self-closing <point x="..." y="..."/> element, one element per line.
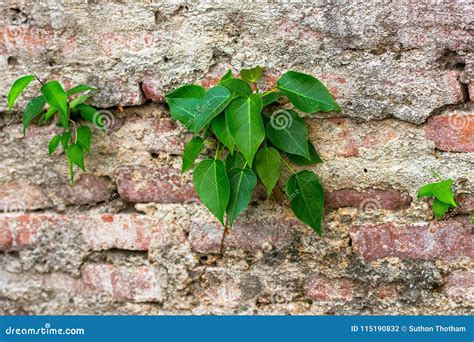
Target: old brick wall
<point x="131" y="237"/>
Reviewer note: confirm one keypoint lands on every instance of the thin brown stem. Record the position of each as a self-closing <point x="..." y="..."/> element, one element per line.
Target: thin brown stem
<point x="226" y="227"/>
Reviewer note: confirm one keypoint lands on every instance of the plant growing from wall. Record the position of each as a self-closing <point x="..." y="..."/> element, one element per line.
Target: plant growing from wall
<point x="442" y="194"/>
<point x="68" y="108"/>
<point x="252" y="144"/>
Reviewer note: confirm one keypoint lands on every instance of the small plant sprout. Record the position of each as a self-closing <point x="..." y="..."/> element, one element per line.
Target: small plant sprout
<point x="252" y="142"/>
<point x="68" y="107"/>
<point x="442" y="194"/>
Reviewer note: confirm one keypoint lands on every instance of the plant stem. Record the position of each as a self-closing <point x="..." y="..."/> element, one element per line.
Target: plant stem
<point x="226" y="225"/>
<point x="75" y="131"/>
<point x="217" y="151"/>
<point x="71" y="172"/>
<point x="288" y="166"/>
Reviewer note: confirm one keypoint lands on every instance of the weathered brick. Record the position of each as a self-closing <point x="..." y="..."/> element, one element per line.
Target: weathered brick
<point x="465" y="203"/>
<point x="389" y="199"/>
<point x="128" y="231"/>
<point x="217" y="287"/>
<point x="21" y="231"/>
<point x="386" y="291"/>
<point x="459" y="285"/>
<point x="334" y="137"/>
<point x="89" y="189"/>
<point x="425" y="241"/>
<point x="21" y="197"/>
<point x="248" y="235"/>
<point x="452" y="132"/>
<point x="152" y="89"/>
<point x="321" y="288"/>
<point x="471" y="91"/>
<point x="136" y="284"/>
<point x="158" y="184"/>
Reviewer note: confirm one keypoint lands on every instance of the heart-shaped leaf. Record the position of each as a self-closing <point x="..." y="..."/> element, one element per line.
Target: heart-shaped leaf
<point x="214" y="101"/>
<point x="235" y="160"/>
<point x="268" y="167"/>
<point x="212" y="186"/>
<point x="237" y="87"/>
<point x="441" y="190"/>
<point x="270" y="97"/>
<point x="287" y="131"/>
<point x="242" y="182"/>
<point x="227" y="76"/>
<point x="306" y="196"/>
<point x="221" y="131"/>
<point x="17" y="88"/>
<point x="306" y="93"/>
<point x="245" y="124"/>
<point x="191" y="151"/>
<point x="439" y="208"/>
<point x="313" y="155"/>
<point x="183" y="102"/>
<point x="251" y="75"/>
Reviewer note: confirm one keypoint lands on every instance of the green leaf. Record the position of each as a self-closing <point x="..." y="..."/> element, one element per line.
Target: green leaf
<point x="214" y="101"/>
<point x="56" y="97"/>
<point x="306" y="93"/>
<point x="79" y="100"/>
<point x="237" y="87"/>
<point x="245" y="123"/>
<point x="79" y="89"/>
<point x="17" y="88"/>
<point x="90" y="114"/>
<point x="227" y="76"/>
<point x="84" y="137"/>
<point x="65" y="137"/>
<point x="235" y="160"/>
<point x="183" y="102"/>
<point x="221" y="131"/>
<point x="242" y="183"/>
<point x="33" y="109"/>
<point x="251" y="75"/>
<point x="53" y="143"/>
<point x="439" y="208"/>
<point x="269" y="97"/>
<point x="49" y="114"/>
<point x="191" y="151"/>
<point x="183" y="110"/>
<point x="306" y="196"/>
<point x="441" y="190"/>
<point x="75" y="155"/>
<point x="189" y="91"/>
<point x="287" y="131"/>
<point x="212" y="186"/>
<point x="268" y="167"/>
<point x="313" y="155"/>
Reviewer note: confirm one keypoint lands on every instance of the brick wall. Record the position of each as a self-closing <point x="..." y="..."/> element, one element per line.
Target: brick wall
<point x="131" y="236"/>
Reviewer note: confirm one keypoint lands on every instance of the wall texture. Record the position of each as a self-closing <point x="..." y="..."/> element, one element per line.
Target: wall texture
<point x="131" y="237"/>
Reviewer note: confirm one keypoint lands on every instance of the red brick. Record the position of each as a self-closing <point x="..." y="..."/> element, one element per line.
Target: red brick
<point x="136" y="284"/>
<point x="368" y="199"/>
<point x="465" y="203"/>
<point x="152" y="89"/>
<point x="471" y="91"/>
<point x="128" y="231"/>
<point x="159" y="184"/>
<point x="425" y="241"/>
<point x="89" y="189"/>
<point x="21" y="197"/>
<point x="452" y="132"/>
<point x="321" y="288"/>
<point x="21" y="231"/>
<point x="26" y="39"/>
<point x="459" y="285"/>
<point x="206" y="237"/>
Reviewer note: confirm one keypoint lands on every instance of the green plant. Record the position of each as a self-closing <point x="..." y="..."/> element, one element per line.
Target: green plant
<point x="442" y="194"/>
<point x="68" y="108"/>
<point x="254" y="142"/>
